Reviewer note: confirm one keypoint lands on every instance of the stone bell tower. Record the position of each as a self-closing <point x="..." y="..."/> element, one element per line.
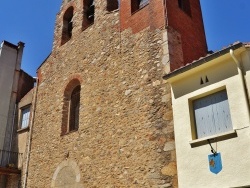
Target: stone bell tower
<point x="103" y="112"/>
<point x="180" y="19"/>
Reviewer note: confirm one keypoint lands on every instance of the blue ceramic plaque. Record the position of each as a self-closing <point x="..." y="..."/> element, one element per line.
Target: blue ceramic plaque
<point x="215" y="164"/>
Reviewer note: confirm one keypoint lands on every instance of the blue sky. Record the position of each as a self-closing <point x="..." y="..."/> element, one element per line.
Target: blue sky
<point x="226" y="21"/>
<point x="32" y="22"/>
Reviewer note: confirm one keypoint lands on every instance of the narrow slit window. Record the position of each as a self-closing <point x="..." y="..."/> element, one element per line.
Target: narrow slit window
<point x="67" y="25"/>
<point x="74" y="109"/>
<point x="91" y="10"/>
<point x="88" y="13"/>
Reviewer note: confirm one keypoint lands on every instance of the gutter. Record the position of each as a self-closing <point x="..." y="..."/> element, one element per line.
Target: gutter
<point x="242" y="78"/>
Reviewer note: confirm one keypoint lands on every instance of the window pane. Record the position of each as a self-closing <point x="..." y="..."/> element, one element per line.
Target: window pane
<point x="221" y="112"/>
<point x="204" y="117"/>
<point x="143" y="3"/>
<point x="25" y="118"/>
<point x="212" y="115"/>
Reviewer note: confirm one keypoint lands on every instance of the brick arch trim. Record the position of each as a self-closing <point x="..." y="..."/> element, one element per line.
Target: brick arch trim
<point x="70" y="87"/>
<point x="71" y="83"/>
<point x="67" y="163"/>
<point x="65" y="8"/>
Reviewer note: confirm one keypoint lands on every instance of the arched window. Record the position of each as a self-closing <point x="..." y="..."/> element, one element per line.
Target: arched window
<point x="74" y="109"/>
<point x="88" y="13"/>
<point x="67" y="25"/>
<point x="71" y="106"/>
<point x="112" y="5"/>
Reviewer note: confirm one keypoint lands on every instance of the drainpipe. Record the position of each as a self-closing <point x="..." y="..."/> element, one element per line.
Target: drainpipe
<point x="240" y="71"/>
<point x="30" y="133"/>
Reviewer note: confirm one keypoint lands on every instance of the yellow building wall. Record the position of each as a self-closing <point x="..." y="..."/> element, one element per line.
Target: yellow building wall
<point x="192" y="154"/>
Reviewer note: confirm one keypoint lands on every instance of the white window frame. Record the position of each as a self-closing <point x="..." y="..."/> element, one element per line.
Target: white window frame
<point x="194" y="125"/>
<point x="25" y="117"/>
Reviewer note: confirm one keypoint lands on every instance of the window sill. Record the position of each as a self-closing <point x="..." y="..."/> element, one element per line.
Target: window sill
<point x="26" y="129"/>
<point x="213" y="138"/>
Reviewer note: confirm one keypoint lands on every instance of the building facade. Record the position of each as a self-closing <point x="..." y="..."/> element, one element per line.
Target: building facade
<point x="211" y="119"/>
<point x="14" y="84"/>
<point x="103" y="115"/>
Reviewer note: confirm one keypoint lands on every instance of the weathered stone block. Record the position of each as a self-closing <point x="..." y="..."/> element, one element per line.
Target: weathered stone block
<point x="169" y="146"/>
<point x="169" y="169"/>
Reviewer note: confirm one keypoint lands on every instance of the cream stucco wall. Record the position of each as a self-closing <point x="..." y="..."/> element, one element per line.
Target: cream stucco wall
<point x="22" y="134"/>
<point x="192" y="154"/>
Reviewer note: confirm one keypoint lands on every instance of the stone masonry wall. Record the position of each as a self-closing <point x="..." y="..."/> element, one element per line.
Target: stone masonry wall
<point x="13" y="181"/>
<point x="125" y="137"/>
<point x="189" y="31"/>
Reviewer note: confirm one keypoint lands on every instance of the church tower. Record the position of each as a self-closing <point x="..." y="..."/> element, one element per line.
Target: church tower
<point x="103" y="116"/>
